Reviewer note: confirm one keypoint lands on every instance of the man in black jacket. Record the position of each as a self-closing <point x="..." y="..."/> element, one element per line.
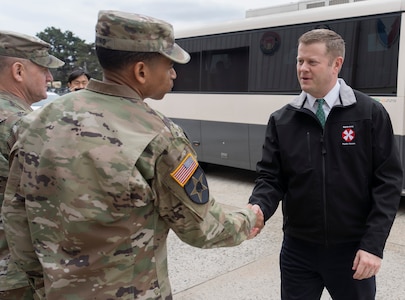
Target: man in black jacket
<point x="337" y="171"/>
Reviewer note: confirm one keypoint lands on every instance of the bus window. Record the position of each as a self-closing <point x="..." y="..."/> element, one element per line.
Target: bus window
<point x="377" y="55"/>
<point x="225" y="70"/>
<point x="189" y="80"/>
<point x="275" y="70"/>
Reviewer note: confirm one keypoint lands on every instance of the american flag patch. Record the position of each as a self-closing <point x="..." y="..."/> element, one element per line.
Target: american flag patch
<point x="185" y="170"/>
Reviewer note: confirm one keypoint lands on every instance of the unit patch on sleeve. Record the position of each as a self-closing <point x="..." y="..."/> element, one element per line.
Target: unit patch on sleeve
<point x="191" y="177"/>
<point x="197" y="187"/>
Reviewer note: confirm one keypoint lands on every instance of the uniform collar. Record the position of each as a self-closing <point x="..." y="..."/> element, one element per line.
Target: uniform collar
<point x="18" y="102"/>
<point x="112" y="89"/>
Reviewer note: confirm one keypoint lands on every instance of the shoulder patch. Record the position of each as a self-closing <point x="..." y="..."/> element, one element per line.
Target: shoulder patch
<point x="185" y="170"/>
<point x="197" y="187"/>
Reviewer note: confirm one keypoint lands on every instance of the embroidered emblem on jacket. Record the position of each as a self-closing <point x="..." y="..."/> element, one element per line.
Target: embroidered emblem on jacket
<point x="348" y="135"/>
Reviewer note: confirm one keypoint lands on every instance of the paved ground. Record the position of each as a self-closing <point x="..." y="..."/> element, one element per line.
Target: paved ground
<point x="250" y="271"/>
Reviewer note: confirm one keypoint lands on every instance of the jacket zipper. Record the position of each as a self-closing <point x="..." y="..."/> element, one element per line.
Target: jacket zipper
<point x="323" y="149"/>
<point x="309" y="146"/>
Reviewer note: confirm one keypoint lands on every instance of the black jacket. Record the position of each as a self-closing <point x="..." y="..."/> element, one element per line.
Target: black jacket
<point x="338" y="185"/>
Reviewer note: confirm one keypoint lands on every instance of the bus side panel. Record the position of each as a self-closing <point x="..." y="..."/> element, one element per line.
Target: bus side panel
<point x="192" y="129"/>
<point x="229" y="144"/>
<point x="401" y="144"/>
<point x="226" y="144"/>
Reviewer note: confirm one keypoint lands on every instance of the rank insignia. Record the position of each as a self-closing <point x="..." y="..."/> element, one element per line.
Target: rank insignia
<point x="197" y="187"/>
<point x="185" y="170"/>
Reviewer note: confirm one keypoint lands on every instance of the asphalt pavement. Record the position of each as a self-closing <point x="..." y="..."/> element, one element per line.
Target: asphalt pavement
<point x="250" y="271"/>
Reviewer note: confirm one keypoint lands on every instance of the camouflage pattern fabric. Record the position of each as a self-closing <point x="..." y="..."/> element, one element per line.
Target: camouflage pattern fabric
<point x="24" y="293"/>
<point x="15" y="44"/>
<point x="125" y="31"/>
<point x="11" y="111"/>
<point x="93" y="186"/>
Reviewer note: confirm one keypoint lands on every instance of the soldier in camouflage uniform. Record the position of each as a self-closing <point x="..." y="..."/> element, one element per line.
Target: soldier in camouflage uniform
<point x="24" y="73"/>
<point x="99" y="178"/>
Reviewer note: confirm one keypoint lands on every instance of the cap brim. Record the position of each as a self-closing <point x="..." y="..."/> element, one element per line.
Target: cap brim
<point x="49" y="61"/>
<point x="176" y="54"/>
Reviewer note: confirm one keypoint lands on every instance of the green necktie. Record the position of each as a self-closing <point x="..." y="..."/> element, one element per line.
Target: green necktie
<point x="320" y="112"/>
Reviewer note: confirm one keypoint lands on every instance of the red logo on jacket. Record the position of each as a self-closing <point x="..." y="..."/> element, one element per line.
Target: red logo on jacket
<point x="348" y="135"/>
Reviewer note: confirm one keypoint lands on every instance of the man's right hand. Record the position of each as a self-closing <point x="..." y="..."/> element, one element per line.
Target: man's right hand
<point x="259" y="220"/>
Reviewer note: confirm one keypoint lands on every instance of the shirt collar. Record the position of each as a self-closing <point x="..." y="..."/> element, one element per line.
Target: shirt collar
<point x="330" y="97"/>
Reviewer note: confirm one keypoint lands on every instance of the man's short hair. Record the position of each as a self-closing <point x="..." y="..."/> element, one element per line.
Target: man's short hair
<point x="77" y="73"/>
<point x="114" y="60"/>
<point x="335" y="45"/>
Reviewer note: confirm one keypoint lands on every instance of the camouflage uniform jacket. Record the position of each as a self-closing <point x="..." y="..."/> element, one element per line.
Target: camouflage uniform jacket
<point x="12" y="109"/>
<point x="100" y="178"/>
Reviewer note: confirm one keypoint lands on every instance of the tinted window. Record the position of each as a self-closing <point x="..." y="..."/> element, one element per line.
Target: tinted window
<point x="264" y="60"/>
<point x="188" y="75"/>
<point x="225" y="70"/>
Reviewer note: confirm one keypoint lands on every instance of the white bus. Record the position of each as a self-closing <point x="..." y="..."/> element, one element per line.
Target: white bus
<point x="242" y="71"/>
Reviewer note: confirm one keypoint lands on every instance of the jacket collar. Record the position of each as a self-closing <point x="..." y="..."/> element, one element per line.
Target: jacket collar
<point x="345" y="92"/>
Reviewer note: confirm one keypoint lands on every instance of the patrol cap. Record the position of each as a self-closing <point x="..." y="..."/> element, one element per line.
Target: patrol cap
<point x="20" y="45"/>
<point x="137" y="33"/>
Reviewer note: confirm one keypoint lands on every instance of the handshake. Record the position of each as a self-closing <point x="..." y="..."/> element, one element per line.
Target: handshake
<point x="259" y="220"/>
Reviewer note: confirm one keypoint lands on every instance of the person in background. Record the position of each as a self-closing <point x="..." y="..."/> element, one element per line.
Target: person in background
<point x="24" y="74"/>
<point x="78" y="80"/>
<point x="330" y="156"/>
<point x="99" y="177"/>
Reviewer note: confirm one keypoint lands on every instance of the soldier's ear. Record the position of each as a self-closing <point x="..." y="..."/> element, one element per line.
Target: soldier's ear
<point x="140" y="70"/>
<point x="17" y="70"/>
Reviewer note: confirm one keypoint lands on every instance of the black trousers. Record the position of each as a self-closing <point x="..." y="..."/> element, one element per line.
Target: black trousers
<point x="306" y="269"/>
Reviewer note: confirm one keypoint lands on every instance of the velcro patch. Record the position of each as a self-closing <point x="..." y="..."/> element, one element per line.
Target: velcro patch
<point x="197" y="187"/>
<point x="185" y="170"/>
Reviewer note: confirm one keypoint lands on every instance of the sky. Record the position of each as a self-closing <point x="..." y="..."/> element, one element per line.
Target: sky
<point x="80" y="16"/>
